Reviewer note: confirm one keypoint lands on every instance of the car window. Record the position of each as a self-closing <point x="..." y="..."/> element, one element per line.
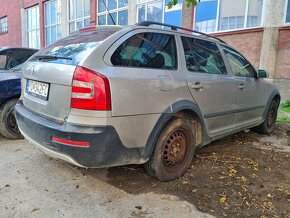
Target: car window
<point x="76" y="46"/>
<point x="147" y="50"/>
<point x="203" y="56"/>
<point x="3" y="61"/>
<point x="18" y="56"/>
<point x="239" y="65"/>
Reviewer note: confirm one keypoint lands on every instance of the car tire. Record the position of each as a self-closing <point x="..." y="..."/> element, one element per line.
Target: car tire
<point x="173" y="152"/>
<point x="8" y="124"/>
<point x="267" y="126"/>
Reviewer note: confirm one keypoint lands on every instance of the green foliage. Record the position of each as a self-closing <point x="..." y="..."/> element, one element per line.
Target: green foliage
<point x="284" y="113"/>
<point x="286" y="106"/>
<point x="190" y="3"/>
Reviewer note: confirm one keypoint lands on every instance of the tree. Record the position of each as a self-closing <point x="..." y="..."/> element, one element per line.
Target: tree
<point x="190" y="3"/>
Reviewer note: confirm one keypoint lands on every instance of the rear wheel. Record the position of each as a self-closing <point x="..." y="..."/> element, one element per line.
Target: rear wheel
<point x="8" y="124"/>
<point x="267" y="126"/>
<point x="173" y="152"/>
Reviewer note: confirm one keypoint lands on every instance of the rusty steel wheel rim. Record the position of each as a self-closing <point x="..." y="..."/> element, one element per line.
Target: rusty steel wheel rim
<point x="271" y="118"/>
<point x="174" y="150"/>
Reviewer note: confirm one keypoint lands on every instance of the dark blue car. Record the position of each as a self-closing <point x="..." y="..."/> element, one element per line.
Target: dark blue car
<point x="10" y="87"/>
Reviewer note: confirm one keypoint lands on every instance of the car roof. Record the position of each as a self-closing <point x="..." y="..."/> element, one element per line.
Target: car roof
<point x="174" y="32"/>
<point x="147" y="25"/>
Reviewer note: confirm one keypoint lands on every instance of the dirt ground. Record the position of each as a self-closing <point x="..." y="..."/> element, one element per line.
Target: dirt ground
<point x="244" y="175"/>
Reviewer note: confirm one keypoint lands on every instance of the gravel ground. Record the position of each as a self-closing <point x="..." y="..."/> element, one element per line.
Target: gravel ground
<point x="34" y="185"/>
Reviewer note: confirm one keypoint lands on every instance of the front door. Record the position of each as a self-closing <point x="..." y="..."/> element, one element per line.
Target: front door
<point x="251" y="91"/>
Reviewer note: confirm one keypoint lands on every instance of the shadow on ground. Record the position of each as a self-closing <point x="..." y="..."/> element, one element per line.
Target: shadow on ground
<point x="231" y="177"/>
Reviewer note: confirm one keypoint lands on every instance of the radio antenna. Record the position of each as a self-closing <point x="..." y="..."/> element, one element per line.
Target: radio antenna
<point x="109" y="12"/>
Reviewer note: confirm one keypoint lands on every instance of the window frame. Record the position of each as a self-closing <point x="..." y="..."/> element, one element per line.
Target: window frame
<point x="246" y="14"/>
<point x="57" y="24"/>
<point x="5" y="29"/>
<point x="76" y="20"/>
<point x="35" y="29"/>
<point x="287" y="3"/>
<point x="146" y="8"/>
<point x="117" y="10"/>
<point x="229" y="65"/>
<point x="118" y="43"/>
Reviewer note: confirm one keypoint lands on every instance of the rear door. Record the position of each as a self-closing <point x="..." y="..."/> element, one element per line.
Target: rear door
<point x="210" y="85"/>
<point x="252" y="92"/>
<point x="144" y="75"/>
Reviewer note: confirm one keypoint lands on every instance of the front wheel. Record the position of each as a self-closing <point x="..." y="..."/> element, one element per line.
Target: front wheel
<point x="8" y="124"/>
<point x="267" y="126"/>
<point x="173" y="152"/>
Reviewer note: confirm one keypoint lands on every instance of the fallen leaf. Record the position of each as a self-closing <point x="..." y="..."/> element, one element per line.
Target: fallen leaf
<point x="139" y="207"/>
<point x="270" y="196"/>
<point x="233" y="172"/>
<point x="35" y="209"/>
<point x="223" y="198"/>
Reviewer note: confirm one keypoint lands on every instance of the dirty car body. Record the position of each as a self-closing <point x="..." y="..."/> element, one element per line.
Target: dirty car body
<point x="110" y="96"/>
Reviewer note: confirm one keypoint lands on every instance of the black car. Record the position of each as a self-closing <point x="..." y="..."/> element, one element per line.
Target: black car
<point x="10" y="87"/>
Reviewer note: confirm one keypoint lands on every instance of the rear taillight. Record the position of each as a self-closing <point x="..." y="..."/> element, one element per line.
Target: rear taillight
<point x="90" y="90"/>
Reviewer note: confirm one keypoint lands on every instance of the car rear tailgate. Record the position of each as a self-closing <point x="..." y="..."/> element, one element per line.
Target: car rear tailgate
<point x="59" y="79"/>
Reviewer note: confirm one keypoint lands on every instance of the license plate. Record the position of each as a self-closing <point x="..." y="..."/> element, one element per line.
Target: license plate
<point x="37" y="89"/>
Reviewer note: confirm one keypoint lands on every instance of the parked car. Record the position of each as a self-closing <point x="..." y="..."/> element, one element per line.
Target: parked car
<point x="10" y="87"/>
<point x="111" y="96"/>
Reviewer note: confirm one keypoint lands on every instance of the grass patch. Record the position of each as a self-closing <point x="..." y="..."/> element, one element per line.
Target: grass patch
<point x="284" y="112"/>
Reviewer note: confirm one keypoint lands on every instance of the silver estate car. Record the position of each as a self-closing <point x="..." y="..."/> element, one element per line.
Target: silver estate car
<point x="110" y="96"/>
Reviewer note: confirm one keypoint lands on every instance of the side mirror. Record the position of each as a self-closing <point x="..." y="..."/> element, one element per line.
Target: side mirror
<point x="263" y="74"/>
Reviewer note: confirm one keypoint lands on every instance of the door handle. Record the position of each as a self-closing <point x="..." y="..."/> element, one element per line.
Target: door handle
<point x="241" y="86"/>
<point x="197" y="86"/>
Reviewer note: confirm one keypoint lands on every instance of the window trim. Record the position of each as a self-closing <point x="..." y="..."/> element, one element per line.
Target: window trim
<point x="150" y="2"/>
<point x="245" y="21"/>
<point x="117" y="10"/>
<point x="4" y="32"/>
<point x="57" y="24"/>
<point x="287" y="2"/>
<point x="75" y="20"/>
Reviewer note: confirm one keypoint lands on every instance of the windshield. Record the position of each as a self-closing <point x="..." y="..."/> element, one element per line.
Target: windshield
<point x="75" y="47"/>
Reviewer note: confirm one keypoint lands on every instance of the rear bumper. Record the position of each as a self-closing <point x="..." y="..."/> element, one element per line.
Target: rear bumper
<point x="106" y="148"/>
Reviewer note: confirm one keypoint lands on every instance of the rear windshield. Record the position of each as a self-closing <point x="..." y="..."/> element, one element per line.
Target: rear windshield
<point x="74" y="47"/>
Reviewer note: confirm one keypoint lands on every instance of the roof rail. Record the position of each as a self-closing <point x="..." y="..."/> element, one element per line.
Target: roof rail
<point x="148" y="23"/>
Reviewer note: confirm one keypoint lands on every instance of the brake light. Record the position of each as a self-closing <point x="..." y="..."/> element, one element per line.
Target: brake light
<point x="90" y="90"/>
<point x="87" y="28"/>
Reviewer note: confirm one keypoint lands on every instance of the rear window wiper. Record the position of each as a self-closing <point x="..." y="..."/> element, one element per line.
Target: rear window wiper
<point x="51" y="57"/>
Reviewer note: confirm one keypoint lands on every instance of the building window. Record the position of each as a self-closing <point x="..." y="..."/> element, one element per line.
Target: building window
<point x="223" y="15"/>
<point x="3" y="25"/>
<point x="288" y="12"/>
<point x="150" y="10"/>
<point x="79" y="14"/>
<point x="52" y="22"/>
<point x="173" y="16"/>
<point x="32" y="27"/>
<point x="118" y="10"/>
